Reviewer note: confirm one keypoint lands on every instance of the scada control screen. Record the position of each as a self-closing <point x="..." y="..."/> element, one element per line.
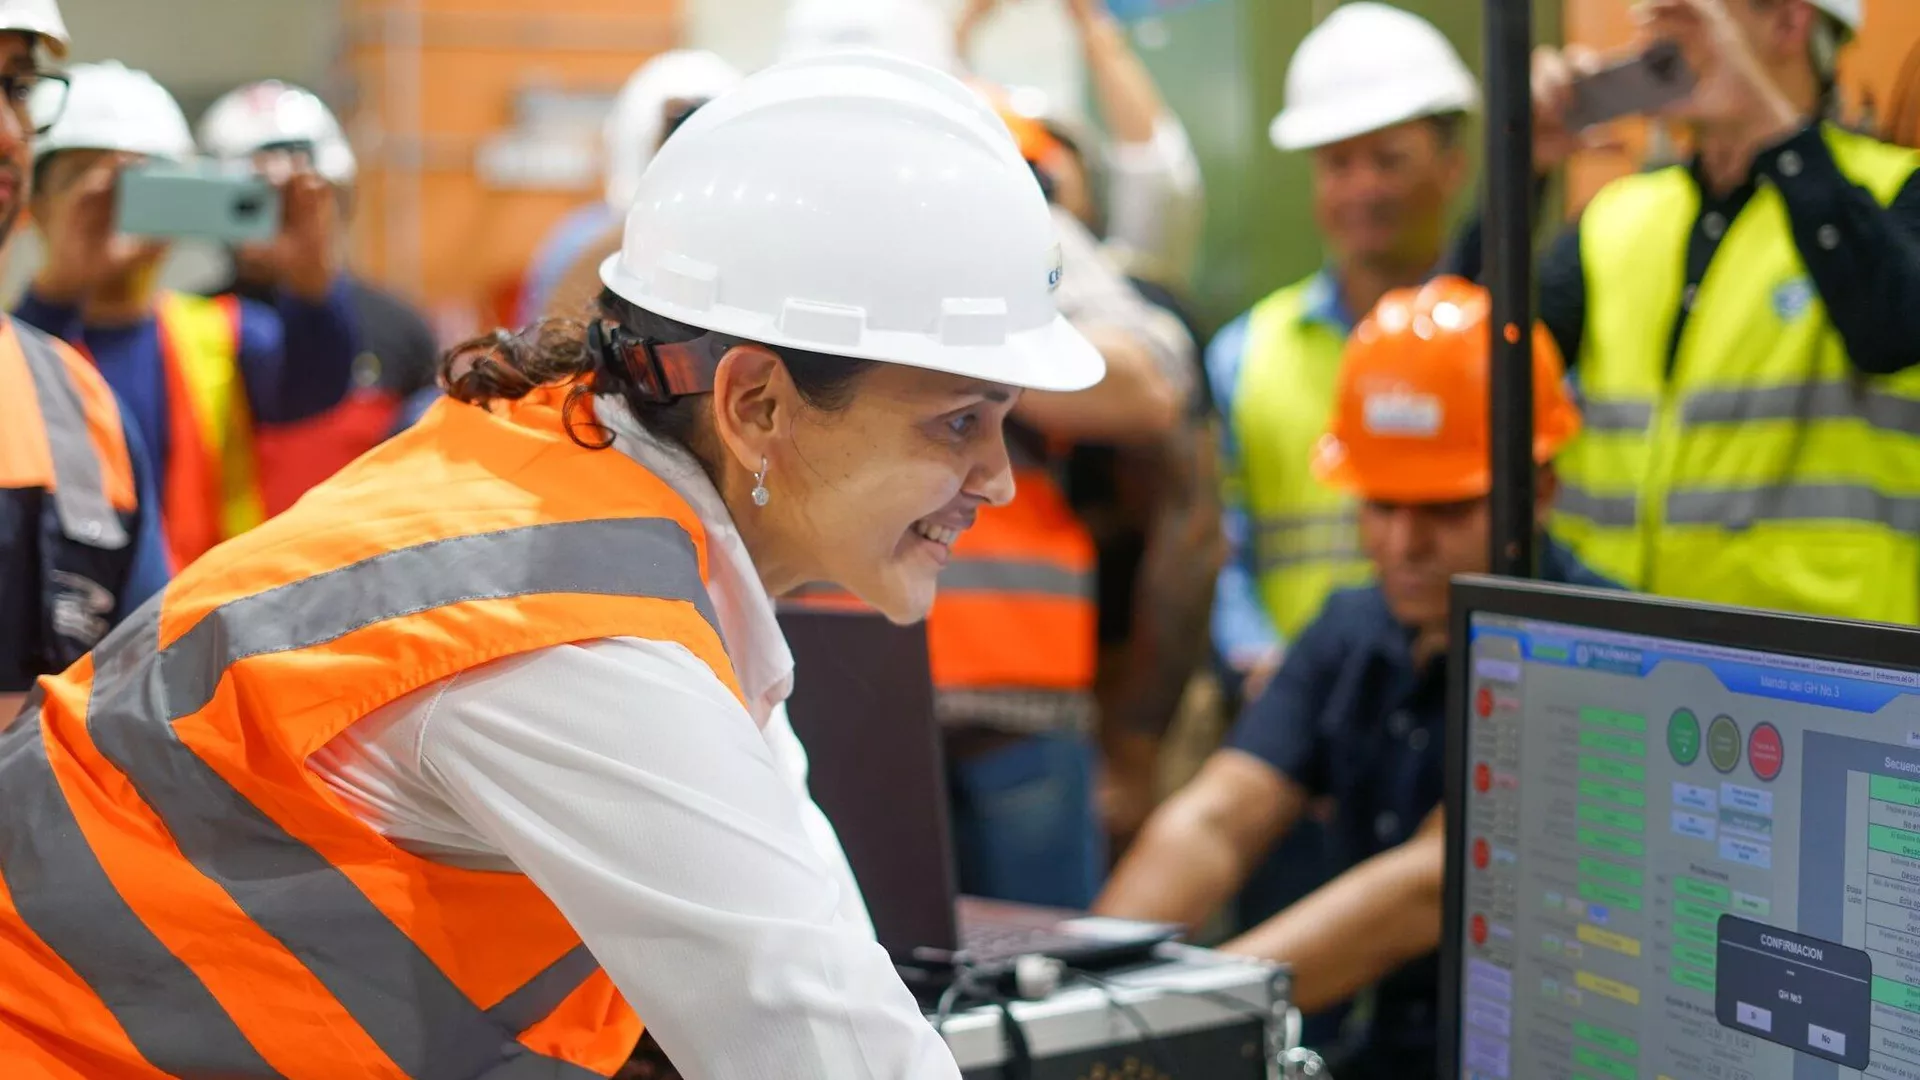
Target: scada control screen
<point x="1687" y="862"/>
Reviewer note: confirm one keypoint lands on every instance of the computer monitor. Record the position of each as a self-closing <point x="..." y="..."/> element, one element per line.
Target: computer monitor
<point x="1683" y="841"/>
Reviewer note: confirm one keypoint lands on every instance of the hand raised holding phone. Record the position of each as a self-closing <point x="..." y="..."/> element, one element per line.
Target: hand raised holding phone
<point x="77" y="221"/>
<point x="290" y="217"/>
<point x="306" y="253"/>
<point x="1696" y="63"/>
<point x="1734" y="89"/>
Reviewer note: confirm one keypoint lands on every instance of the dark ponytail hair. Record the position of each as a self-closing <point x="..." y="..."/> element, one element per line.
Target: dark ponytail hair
<point x="504" y="366"/>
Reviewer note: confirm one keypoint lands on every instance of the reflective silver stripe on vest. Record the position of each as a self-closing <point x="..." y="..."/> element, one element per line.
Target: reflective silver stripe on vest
<point x="1742" y="507"/>
<point x="1607" y="511"/>
<point x="1013" y="576"/>
<point x="1804" y="401"/>
<point x="1616" y="415"/>
<point x="405" y="1003"/>
<point x="63" y="895"/>
<point x="1285" y="523"/>
<point x="524" y="1064"/>
<point x="1283" y="541"/>
<point x="543" y="993"/>
<point x="1332" y="553"/>
<point x="1020" y="710"/>
<point x="79" y="490"/>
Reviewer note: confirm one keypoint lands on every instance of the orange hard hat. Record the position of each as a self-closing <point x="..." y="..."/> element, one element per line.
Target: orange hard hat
<point x="1411" y="413"/>
<point x="1038" y="143"/>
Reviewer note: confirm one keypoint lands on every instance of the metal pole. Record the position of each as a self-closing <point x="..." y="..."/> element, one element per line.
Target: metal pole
<point x="1508" y="259"/>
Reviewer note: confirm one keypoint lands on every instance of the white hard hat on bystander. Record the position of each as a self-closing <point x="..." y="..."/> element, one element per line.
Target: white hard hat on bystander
<point x="639" y="118"/>
<point x="113" y="107"/>
<point x="41" y="17"/>
<point x="1369" y="66"/>
<point x="271" y="114"/>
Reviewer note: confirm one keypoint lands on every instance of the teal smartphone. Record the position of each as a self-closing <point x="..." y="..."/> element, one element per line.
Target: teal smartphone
<point x="201" y="201"/>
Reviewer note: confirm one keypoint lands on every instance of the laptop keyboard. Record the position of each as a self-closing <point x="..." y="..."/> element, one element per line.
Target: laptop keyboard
<point x="990" y="942"/>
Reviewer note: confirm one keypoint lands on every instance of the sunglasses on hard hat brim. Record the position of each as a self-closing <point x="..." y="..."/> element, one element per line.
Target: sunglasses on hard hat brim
<point x="659" y="372"/>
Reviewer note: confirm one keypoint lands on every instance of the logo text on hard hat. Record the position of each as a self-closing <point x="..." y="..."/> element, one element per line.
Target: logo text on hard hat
<point x="1056" y="271"/>
<point x="1402" y="413"/>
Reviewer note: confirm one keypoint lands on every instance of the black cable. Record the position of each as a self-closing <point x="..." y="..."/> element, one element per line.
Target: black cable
<point x="1225" y="1001"/>
<point x="1019" y="1055"/>
<point x="943" y="1012"/>
<point x="970" y="985"/>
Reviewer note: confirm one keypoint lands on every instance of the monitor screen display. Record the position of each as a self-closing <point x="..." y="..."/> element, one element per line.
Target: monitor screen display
<point x="1683" y="861"/>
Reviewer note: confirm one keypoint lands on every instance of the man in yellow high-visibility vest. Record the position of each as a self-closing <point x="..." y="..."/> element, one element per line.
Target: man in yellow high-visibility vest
<point x="1744" y="331"/>
<point x="1385" y="166"/>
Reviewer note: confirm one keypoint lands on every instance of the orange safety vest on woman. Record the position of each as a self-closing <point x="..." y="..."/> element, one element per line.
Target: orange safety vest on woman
<point x="180" y="895"/>
<point x="211" y="490"/>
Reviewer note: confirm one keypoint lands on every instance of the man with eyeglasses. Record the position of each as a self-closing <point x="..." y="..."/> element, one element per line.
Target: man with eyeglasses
<point x="201" y="374"/>
<point x="80" y="541"/>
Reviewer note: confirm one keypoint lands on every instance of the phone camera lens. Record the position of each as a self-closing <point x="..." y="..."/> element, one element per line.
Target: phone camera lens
<point x="247" y="206"/>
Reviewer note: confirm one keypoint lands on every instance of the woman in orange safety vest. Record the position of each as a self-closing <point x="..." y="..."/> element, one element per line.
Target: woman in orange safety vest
<point x="456" y="768"/>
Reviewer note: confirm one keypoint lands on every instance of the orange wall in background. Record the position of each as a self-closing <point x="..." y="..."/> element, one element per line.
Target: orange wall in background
<point x="1869" y="65"/>
<point x="430" y="82"/>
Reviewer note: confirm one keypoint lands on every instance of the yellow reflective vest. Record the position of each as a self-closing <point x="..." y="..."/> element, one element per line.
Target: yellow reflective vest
<point x="1304" y="536"/>
<point x="211" y="491"/>
<point x="1760" y="469"/>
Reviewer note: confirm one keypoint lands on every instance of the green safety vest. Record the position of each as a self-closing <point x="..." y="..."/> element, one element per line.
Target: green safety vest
<point x="1764" y="471"/>
<point x="1305" y="539"/>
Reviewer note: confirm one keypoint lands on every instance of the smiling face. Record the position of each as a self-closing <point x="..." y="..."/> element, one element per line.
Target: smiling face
<point x="871" y="496"/>
<point x="1381" y="198"/>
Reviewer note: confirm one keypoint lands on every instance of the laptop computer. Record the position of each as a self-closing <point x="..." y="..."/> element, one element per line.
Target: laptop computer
<point x="863" y="706"/>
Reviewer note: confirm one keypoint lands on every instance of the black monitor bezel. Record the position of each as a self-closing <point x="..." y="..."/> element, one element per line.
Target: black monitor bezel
<point x="1838" y="640"/>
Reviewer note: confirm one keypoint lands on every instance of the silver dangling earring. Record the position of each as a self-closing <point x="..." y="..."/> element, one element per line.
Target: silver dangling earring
<point x="760" y="495"/>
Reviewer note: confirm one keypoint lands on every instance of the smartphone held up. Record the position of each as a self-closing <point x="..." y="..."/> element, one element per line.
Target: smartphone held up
<point x="1652" y="80"/>
<point x="201" y="200"/>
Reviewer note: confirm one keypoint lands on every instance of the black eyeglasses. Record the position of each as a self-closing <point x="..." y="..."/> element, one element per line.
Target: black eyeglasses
<point x="37" y="97"/>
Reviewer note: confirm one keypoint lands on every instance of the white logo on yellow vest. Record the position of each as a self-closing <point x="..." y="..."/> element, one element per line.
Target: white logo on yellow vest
<point x="1403" y="413"/>
<point x="1791" y="299"/>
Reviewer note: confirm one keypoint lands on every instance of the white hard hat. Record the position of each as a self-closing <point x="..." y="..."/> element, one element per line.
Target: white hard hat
<point x="861" y="205"/>
<point x="915" y="29"/>
<point x="1368" y="67"/>
<point x="40" y="17"/>
<point x="638" y="120"/>
<point x="254" y="117"/>
<point x="1850" y="12"/>
<point x="113" y="107"/>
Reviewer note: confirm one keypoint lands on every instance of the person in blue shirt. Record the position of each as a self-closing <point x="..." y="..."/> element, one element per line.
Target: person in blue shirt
<point x="195" y="373"/>
<point x="1356" y="713"/>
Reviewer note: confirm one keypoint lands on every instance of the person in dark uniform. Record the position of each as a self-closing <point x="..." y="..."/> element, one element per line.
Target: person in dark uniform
<point x="284" y="129"/>
<point x="1357" y="712"/>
